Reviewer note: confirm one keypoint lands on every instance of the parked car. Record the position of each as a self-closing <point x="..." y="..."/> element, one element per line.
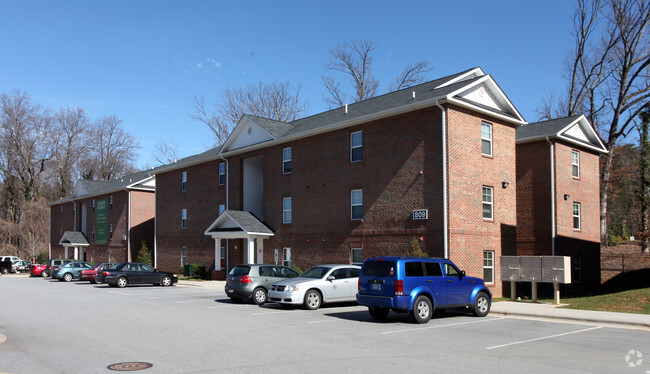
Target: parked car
<point x="318" y="285"/>
<point x="254" y="281"/>
<point x="419" y="286"/>
<point x="10" y="258"/>
<point x="37" y="270"/>
<point x="70" y="270"/>
<point x="91" y="274"/>
<point x="127" y="273"/>
<point x="21" y="266"/>
<point x="54" y="262"/>
<point x="5" y="266"/>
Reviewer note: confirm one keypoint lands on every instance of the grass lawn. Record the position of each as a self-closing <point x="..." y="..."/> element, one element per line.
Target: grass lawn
<point x="632" y="301"/>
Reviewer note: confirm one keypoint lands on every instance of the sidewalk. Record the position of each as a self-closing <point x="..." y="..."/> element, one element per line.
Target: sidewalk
<point x="520" y="309"/>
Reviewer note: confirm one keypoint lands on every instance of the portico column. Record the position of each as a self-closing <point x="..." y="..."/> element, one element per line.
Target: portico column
<point x="76" y="253"/>
<point x="217" y="254"/>
<point x="250" y="255"/>
<point x="260" y="251"/>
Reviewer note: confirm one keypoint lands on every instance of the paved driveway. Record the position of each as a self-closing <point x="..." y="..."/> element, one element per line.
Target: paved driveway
<point x="77" y="327"/>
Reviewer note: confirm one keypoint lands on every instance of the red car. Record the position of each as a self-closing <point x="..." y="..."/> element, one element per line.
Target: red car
<point x="91" y="274"/>
<point x="37" y="270"/>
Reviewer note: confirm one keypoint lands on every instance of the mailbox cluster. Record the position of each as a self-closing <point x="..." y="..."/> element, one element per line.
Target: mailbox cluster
<point x="539" y="269"/>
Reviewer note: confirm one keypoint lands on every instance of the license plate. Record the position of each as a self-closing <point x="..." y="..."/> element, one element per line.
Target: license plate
<point x="376" y="286"/>
<point x="231" y="291"/>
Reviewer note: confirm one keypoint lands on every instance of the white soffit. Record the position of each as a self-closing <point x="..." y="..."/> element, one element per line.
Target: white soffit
<point x="245" y="134"/>
<point x="481" y="96"/>
<point x="576" y="132"/>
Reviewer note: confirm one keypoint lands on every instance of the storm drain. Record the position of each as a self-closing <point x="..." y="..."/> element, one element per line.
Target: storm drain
<point x="129" y="366"/>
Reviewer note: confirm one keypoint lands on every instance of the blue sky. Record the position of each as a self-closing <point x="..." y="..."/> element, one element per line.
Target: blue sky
<point x="145" y="61"/>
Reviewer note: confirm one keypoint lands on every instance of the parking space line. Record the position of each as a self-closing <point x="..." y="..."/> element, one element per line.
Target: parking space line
<point x="441" y="326"/>
<point x="323" y="321"/>
<point x="120" y="293"/>
<point x="275" y="312"/>
<point x="544" y="338"/>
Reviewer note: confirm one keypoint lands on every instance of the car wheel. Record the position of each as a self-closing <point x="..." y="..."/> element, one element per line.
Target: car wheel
<point x="166" y="281"/>
<point x="4" y="270"/>
<point x="259" y="296"/>
<point x="67" y="277"/>
<point x="313" y="300"/>
<point x="482" y="305"/>
<point x="44" y="274"/>
<point x="377" y="312"/>
<point x="94" y="280"/>
<point x="422" y="309"/>
<point x="121" y="282"/>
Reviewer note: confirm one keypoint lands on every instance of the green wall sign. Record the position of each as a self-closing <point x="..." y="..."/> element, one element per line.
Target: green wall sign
<point x="101" y="221"/>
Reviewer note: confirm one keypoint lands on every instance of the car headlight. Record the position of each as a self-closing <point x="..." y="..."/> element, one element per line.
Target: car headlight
<point x="175" y="276"/>
<point x="293" y="287"/>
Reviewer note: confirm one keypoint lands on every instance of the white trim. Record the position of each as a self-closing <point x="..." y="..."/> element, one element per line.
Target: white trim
<point x="473" y="73"/>
<point x="352" y="205"/>
<point x="490" y="203"/>
<point x="579" y="216"/>
<point x="290" y="210"/>
<point x="489" y="267"/>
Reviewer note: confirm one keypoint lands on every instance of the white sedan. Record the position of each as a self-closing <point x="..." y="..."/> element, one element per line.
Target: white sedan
<point x="318" y="285"/>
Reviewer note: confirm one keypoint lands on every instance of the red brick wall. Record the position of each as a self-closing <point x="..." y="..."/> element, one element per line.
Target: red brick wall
<point x="201" y="200"/>
<point x="61" y="220"/>
<point x="468" y="172"/>
<point x="142" y="221"/>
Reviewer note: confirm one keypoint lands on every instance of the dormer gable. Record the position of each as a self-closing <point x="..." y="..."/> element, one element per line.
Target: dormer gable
<point x="251" y="130"/>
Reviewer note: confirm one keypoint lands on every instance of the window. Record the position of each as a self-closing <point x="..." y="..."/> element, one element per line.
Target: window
<point x="222" y="258"/>
<point x="488" y="206"/>
<point x="486" y="139"/>
<point x="575" y="163"/>
<point x="576" y="265"/>
<point x="110" y="204"/>
<point x="61" y="231"/>
<point x="286" y="210"/>
<point x="184" y="219"/>
<point x="222" y="207"/>
<point x="356" y="150"/>
<point x="184" y="181"/>
<point x="93" y="210"/>
<point x="93" y="232"/>
<point x="286" y="257"/>
<point x="357" y="256"/>
<point x="433" y="269"/>
<point x="286" y="161"/>
<point x="414" y="269"/>
<point x="356" y="204"/>
<point x="110" y="231"/>
<point x="488" y="266"/>
<point x="183" y="256"/>
<point x="576" y="216"/>
<point x="61" y="210"/>
<point x="222" y="173"/>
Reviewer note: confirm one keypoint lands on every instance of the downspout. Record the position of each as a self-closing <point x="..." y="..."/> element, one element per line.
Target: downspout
<point x="444" y="181"/>
<point x="128" y="229"/>
<point x="552" y="197"/>
<point x="155" y="227"/>
<point x="227" y="207"/>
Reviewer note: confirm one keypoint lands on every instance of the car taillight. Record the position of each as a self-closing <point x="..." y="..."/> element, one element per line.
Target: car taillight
<point x="105" y="273"/>
<point x="245" y="279"/>
<point x="399" y="288"/>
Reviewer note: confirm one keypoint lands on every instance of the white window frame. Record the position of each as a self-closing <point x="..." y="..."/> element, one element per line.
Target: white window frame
<point x="183" y="218"/>
<point x="487" y="203"/>
<point x="183" y="255"/>
<point x="222" y="173"/>
<point x="352" y="252"/>
<point x="184" y="181"/>
<point x="488" y="263"/>
<point x="93" y="209"/>
<point x="576" y="216"/>
<point x="110" y="232"/>
<point x="222" y="258"/>
<point x="93" y="232"/>
<point x="575" y="163"/>
<point x="356" y="202"/>
<point x="354" y="146"/>
<point x="110" y="205"/>
<point x="286" y="210"/>
<point x="286" y="161"/>
<point x="486" y="139"/>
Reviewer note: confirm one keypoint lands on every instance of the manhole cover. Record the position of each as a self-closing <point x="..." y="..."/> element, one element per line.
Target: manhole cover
<point x="130" y="366"/>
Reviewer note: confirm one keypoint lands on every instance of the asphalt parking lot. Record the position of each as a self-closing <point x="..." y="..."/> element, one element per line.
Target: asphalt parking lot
<point x="58" y="327"/>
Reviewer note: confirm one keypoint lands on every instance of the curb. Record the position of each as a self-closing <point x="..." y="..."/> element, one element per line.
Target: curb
<point x="632" y="325"/>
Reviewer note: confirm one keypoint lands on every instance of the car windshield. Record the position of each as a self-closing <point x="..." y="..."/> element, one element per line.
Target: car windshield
<point x="240" y="270"/>
<point x="317" y="272"/>
<point x="378" y="268"/>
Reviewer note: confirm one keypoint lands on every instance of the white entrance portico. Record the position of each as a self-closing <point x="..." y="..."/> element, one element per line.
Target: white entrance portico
<point x="236" y="224"/>
<point x="76" y="240"/>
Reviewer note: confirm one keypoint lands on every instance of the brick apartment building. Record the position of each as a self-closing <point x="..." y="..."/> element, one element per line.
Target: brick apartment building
<point x="558" y="194"/>
<point x="104" y="221"/>
<point x="358" y="181"/>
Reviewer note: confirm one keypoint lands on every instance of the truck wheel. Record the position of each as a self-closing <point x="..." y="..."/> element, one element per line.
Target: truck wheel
<point x="482" y="305"/>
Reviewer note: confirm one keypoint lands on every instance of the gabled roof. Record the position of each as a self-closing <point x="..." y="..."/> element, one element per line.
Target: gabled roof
<point x="209" y="155"/>
<point x="73" y="239"/>
<point x="237" y="224"/>
<point x="471" y="89"/>
<point x="575" y="129"/>
<point x="89" y="188"/>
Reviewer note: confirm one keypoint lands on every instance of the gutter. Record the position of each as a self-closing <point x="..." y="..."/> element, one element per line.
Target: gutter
<point x="444" y="181"/>
<point x="552" y="197"/>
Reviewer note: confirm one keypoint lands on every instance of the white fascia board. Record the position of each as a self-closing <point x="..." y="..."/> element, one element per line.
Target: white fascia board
<point x="144" y="180"/>
<point x="476" y="72"/>
<point x="586" y="126"/>
<point x="340" y="125"/>
<point x="493" y="86"/>
<point x="467" y="105"/>
<point x="540" y="138"/>
<point x="245" y="120"/>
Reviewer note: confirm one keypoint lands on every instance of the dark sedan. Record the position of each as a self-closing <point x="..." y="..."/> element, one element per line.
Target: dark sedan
<point x="135" y="273"/>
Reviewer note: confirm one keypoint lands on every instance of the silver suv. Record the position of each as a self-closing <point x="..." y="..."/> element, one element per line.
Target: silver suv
<point x="253" y="281"/>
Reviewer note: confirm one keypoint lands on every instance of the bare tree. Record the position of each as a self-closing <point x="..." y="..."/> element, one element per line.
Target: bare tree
<point x="278" y="101"/>
<point x="25" y="146"/>
<point x="165" y="153"/>
<point x="354" y="59"/>
<point x="645" y="176"/>
<point x="112" y="150"/>
<point x="34" y="229"/>
<point x="71" y="136"/>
